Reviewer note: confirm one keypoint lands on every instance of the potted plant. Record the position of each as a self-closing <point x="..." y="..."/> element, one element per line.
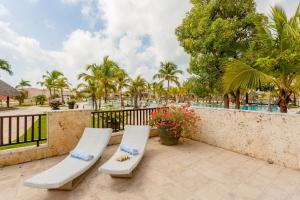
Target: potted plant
<point x="71" y="103"/>
<point x="54" y="104"/>
<point x="173" y="123"/>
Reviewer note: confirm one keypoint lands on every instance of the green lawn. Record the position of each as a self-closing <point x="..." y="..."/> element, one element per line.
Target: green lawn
<point x="29" y="134"/>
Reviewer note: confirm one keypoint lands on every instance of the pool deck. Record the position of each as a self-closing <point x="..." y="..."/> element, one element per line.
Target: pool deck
<point x="189" y="171"/>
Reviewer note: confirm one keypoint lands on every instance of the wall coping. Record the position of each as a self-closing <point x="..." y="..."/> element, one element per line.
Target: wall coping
<point x="247" y="111"/>
<point x="69" y="110"/>
<point x="22" y="149"/>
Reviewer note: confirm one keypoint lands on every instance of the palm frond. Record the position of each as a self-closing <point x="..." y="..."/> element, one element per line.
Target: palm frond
<point x="240" y="75"/>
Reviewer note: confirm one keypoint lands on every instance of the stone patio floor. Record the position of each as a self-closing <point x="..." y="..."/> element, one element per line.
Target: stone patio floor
<point x="189" y="171"/>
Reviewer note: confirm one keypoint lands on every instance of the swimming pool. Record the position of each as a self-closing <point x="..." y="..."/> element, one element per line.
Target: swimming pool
<point x="243" y="107"/>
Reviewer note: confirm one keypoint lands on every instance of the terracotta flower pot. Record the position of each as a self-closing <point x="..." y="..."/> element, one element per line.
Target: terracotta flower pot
<point x="166" y="138"/>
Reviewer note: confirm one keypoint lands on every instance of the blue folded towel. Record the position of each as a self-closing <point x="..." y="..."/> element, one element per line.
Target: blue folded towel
<point x="81" y="155"/>
<point x="131" y="151"/>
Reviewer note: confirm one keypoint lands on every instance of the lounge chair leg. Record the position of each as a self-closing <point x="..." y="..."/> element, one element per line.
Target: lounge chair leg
<point x="122" y="175"/>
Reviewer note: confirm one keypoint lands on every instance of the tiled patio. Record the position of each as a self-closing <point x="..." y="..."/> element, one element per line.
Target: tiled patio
<point x="188" y="171"/>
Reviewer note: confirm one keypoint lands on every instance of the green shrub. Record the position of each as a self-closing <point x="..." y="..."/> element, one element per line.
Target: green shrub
<point x="40" y="99"/>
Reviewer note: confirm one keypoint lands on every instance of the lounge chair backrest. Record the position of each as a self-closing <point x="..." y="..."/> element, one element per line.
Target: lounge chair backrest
<point x="136" y="136"/>
<point x="90" y="140"/>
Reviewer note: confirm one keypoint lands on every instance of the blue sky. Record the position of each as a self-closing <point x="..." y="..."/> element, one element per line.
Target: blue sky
<point x="47" y="21"/>
<point x="40" y="35"/>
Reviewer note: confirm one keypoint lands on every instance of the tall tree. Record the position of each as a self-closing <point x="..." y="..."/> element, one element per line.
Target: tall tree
<point x="136" y="87"/>
<point x="104" y="74"/>
<point x="50" y="81"/>
<point x="92" y="90"/>
<point x="62" y="83"/>
<point x="277" y="58"/>
<point x="5" y="66"/>
<point x="215" y="32"/>
<point x="23" y="84"/>
<point x="109" y="70"/>
<point x="168" y="72"/>
<point x="122" y="81"/>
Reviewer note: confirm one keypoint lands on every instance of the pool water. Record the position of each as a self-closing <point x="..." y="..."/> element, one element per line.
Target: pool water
<point x="244" y="107"/>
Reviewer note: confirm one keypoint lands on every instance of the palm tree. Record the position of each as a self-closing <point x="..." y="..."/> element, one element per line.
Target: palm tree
<point x="168" y="72"/>
<point x="109" y="71"/>
<point x="50" y="81"/>
<point x="158" y="91"/>
<point x="136" y="87"/>
<point x="5" y="66"/>
<point x="122" y="82"/>
<point x="278" y="64"/>
<point x="23" y="84"/>
<point x="104" y="74"/>
<point x="90" y="88"/>
<point x="62" y="83"/>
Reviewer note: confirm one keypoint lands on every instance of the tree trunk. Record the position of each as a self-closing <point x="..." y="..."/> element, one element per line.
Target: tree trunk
<point x="226" y="101"/>
<point x="284" y="101"/>
<point x="269" y="103"/>
<point x="7" y="102"/>
<point x="62" y="95"/>
<point x="247" y="98"/>
<point x="295" y="99"/>
<point x="105" y="97"/>
<point x="100" y="104"/>
<point x="283" y="106"/>
<point x="168" y="91"/>
<point x="135" y="100"/>
<point x="105" y="94"/>
<point x="121" y="99"/>
<point x="237" y="99"/>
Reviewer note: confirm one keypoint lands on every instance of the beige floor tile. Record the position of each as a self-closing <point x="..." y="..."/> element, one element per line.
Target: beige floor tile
<point x="189" y="171"/>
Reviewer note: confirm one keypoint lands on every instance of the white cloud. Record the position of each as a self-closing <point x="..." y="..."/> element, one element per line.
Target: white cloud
<point x="127" y="22"/>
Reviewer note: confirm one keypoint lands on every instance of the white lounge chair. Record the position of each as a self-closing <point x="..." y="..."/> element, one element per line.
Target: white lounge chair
<point x="68" y="173"/>
<point x="134" y="137"/>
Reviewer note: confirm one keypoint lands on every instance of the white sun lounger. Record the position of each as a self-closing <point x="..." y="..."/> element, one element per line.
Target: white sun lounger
<point x="68" y="173"/>
<point x="134" y="137"/>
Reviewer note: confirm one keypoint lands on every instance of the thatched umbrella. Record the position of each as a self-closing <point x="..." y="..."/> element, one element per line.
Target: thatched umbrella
<point x="7" y="91"/>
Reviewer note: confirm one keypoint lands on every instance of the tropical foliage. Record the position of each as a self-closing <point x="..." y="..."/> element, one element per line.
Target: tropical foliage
<point x="136" y="88"/>
<point x="168" y="72"/>
<point x="40" y="99"/>
<point x="274" y="59"/>
<point x="23" y="84"/>
<point x="213" y="33"/>
<point x="55" y="82"/>
<point x="5" y="66"/>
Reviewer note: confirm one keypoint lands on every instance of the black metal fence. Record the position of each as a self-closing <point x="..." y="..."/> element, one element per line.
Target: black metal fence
<point x="23" y="129"/>
<point x="117" y="119"/>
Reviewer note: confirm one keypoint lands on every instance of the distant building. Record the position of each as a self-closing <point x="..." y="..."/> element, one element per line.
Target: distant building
<point x="32" y="92"/>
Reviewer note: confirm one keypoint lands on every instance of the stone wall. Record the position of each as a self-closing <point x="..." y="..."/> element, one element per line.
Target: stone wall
<point x="272" y="137"/>
<point x="64" y="131"/>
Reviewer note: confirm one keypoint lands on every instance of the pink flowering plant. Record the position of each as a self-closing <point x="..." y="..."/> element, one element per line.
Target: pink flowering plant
<point x="54" y="103"/>
<point x="178" y="121"/>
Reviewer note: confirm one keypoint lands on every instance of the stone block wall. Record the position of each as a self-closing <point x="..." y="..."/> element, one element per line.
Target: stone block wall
<point x="64" y="131"/>
<point x="272" y="137"/>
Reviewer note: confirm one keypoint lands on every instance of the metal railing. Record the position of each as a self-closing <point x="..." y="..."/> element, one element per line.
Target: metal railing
<point x="117" y="119"/>
<point x="23" y="129"/>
